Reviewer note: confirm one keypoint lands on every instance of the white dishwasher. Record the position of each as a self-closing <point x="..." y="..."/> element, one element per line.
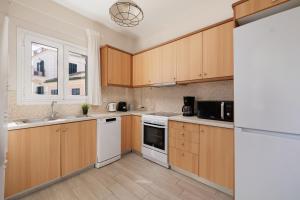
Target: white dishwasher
<point x="108" y="141"/>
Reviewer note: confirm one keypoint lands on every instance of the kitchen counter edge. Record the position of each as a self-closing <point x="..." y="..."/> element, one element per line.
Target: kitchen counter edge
<point x="13" y="126"/>
<point x="196" y="120"/>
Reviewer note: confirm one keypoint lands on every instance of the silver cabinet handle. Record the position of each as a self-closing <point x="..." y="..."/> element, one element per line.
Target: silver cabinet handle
<point x="222" y="110"/>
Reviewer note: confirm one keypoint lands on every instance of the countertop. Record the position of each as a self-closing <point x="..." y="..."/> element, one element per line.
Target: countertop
<point x="14" y="125"/>
<point x="93" y="116"/>
<point x="196" y="120"/>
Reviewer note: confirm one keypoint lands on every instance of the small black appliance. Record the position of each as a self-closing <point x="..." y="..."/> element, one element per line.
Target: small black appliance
<point x="122" y="106"/>
<point x="215" y="110"/>
<point x="188" y="108"/>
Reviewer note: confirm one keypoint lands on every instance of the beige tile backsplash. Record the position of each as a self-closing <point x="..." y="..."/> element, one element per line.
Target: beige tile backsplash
<point x="168" y="99"/>
<point x="109" y="94"/>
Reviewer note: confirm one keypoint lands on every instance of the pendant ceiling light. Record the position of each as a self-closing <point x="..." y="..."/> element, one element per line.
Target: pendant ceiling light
<point x="126" y="13"/>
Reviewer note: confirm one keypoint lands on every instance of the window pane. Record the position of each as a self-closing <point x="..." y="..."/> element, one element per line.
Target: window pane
<point x="44" y="69"/>
<point x="76" y="85"/>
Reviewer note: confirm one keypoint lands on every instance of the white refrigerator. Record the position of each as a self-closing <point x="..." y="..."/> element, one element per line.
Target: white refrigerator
<point x="267" y="108"/>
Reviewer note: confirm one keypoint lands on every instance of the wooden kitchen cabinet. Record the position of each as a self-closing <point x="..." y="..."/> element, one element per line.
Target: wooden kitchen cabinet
<point x="216" y="160"/>
<point x="189" y="53"/>
<point x="136" y="134"/>
<point x="155" y="66"/>
<point x="168" y="63"/>
<point x="78" y="146"/>
<point x="140" y="70"/>
<point x="116" y="67"/>
<point x="126" y="138"/>
<point x="184" y="146"/>
<point x="246" y="8"/>
<point x="33" y="158"/>
<point x="218" y="51"/>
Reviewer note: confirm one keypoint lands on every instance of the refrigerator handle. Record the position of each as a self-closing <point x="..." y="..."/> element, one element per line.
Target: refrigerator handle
<point x="222" y="110"/>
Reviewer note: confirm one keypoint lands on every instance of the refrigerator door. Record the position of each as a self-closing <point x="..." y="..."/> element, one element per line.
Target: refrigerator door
<point x="267" y="73"/>
<point x="267" y="165"/>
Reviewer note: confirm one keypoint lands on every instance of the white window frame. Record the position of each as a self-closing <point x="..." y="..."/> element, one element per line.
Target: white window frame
<point x="24" y="69"/>
<point x="78" y="50"/>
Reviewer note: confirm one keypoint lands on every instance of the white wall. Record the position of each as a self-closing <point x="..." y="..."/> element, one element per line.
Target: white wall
<point x="179" y="19"/>
<point x="50" y="19"/>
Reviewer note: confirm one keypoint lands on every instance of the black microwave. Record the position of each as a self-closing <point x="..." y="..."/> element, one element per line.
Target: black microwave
<point x="215" y="110"/>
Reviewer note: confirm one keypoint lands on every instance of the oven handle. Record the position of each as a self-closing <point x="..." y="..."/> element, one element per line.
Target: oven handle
<point x="156" y="126"/>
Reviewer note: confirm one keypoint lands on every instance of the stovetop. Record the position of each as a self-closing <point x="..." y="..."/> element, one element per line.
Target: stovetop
<point x="163" y="114"/>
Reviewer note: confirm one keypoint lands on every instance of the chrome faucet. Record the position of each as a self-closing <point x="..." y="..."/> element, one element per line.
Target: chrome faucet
<point x="53" y="113"/>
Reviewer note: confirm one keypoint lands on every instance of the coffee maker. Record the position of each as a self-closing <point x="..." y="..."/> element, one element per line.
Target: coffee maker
<point x="188" y="108"/>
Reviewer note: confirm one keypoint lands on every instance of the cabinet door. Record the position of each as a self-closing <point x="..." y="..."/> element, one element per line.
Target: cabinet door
<point x="33" y="158"/>
<point x="154" y="65"/>
<point x="126" y="134"/>
<point x="136" y="133"/>
<point x="216" y="155"/>
<point x="140" y="70"/>
<point x="78" y="149"/>
<point x="252" y="6"/>
<point x="119" y="68"/>
<point x="187" y="161"/>
<point x="189" y="58"/>
<point x="168" y="63"/>
<point x="218" y="51"/>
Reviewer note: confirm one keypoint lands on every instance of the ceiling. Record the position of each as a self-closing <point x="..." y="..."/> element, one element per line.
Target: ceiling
<point x="160" y="15"/>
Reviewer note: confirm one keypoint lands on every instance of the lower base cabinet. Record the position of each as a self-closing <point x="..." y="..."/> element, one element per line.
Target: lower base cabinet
<point x="78" y="146"/>
<point x="136" y="134"/>
<point x="205" y="151"/>
<point x="38" y="155"/>
<point x="126" y="134"/>
<point x="33" y="158"/>
<point x="216" y="159"/>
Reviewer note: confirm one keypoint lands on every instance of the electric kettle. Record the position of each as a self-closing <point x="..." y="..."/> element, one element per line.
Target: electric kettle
<point x="111" y="107"/>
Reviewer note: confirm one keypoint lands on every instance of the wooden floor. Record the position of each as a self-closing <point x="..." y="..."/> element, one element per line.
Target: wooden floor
<point x="131" y="178"/>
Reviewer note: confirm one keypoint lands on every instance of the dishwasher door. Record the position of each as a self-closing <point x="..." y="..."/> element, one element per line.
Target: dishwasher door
<point x="108" y="141"/>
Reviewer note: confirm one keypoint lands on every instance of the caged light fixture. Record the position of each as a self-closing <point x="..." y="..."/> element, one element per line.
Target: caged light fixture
<point x="126" y="13"/>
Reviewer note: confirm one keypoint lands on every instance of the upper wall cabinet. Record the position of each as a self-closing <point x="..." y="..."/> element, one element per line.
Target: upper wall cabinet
<point x="206" y="55"/>
<point x="246" y="8"/>
<point x="189" y="57"/>
<point x="168" y="63"/>
<point x="218" y="51"/>
<point x="156" y="66"/>
<point x="140" y="71"/>
<point x="116" y="67"/>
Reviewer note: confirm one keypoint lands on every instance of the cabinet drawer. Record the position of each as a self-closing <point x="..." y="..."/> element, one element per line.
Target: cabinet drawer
<point x="187" y="161"/>
<point x="176" y="125"/>
<point x="173" y="132"/>
<point x="191" y="127"/>
<point x="172" y="156"/>
<point x="187" y="146"/>
<point x="252" y="6"/>
<point x="172" y="142"/>
<point x="188" y="136"/>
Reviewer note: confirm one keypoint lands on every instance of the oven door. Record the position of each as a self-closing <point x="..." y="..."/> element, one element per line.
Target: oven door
<point x="155" y="137"/>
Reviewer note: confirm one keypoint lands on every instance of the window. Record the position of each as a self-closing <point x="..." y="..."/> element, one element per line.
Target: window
<point x="39" y="90"/>
<point x="49" y="69"/>
<point x="54" y="92"/>
<point x="76" y="78"/>
<point x="72" y="68"/>
<point x="76" y="91"/>
<point x="44" y="57"/>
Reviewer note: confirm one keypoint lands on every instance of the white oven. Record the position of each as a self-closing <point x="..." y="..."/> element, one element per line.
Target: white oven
<point x="155" y="138"/>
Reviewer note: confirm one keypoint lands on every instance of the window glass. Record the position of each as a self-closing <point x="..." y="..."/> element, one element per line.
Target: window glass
<point x="77" y="80"/>
<point x="44" y="69"/>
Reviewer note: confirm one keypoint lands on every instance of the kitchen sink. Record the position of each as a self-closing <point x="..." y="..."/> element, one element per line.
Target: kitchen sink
<point x="30" y="121"/>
